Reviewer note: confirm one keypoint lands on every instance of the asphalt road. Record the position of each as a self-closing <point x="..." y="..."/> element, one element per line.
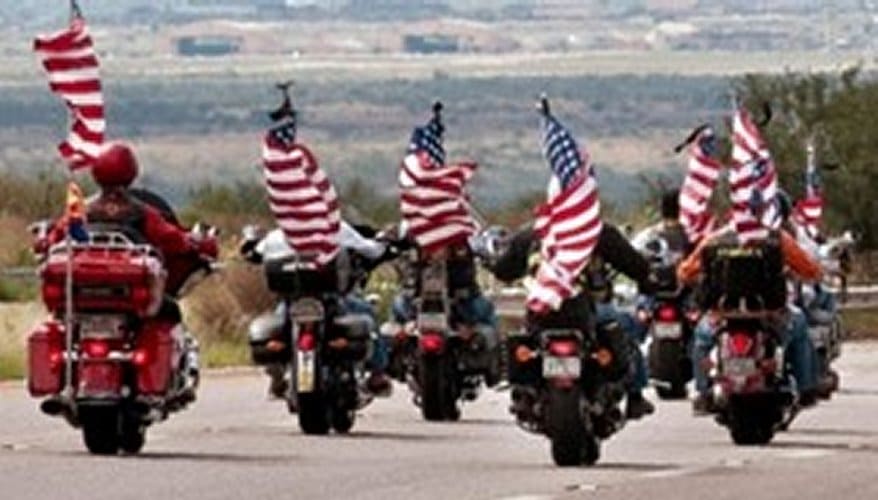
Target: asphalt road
<point x="234" y="444"/>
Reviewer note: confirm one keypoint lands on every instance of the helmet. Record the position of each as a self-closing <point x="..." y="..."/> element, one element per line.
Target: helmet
<point x="116" y="165"/>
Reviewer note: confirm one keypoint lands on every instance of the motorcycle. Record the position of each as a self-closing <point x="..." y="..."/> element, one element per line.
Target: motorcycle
<point x="670" y="318"/>
<point x="443" y="360"/>
<point x="321" y="347"/>
<point x="105" y="361"/>
<point x="754" y="395"/>
<point x="568" y="384"/>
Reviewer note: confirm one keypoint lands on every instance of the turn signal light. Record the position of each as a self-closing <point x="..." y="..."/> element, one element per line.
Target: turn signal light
<point x="603" y="357"/>
<point x="274" y="345"/>
<point x="523" y="354"/>
<point x="55" y="358"/>
<point x="339" y="343"/>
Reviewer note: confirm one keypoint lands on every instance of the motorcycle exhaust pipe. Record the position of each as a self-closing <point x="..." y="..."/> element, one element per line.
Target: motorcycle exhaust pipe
<point x="55" y="406"/>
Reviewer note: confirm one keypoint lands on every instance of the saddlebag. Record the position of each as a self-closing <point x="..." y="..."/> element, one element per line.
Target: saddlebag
<point x="355" y="328"/>
<point x="264" y="329"/>
<point x="45" y="359"/>
<point x="159" y="359"/>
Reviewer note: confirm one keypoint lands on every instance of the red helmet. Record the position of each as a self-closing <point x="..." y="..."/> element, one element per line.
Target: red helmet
<point x="115" y="166"/>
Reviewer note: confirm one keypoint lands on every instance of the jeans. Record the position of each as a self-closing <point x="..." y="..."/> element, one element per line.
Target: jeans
<point x="607" y="312"/>
<point x="799" y="352"/>
<point x="355" y="304"/>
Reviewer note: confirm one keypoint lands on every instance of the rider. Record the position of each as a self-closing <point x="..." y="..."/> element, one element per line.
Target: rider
<point x="669" y="228"/>
<point x="372" y="253"/>
<point x="614" y="250"/>
<point x="798" y="349"/>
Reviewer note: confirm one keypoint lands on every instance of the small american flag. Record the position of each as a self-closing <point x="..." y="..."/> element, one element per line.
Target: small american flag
<point x="699" y="184"/>
<point x="753" y="180"/>
<point x="302" y="199"/>
<point x="809" y="210"/>
<point x="568" y="223"/>
<point x="72" y="67"/>
<point x="433" y="199"/>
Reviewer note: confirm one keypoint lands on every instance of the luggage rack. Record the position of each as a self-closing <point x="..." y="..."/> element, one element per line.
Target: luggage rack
<point x="108" y="241"/>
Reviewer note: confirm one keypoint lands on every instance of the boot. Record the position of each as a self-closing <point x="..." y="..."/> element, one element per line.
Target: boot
<point x="637" y="406"/>
<point x="703" y="405"/>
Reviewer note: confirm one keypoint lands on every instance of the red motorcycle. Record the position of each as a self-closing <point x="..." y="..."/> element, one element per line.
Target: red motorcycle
<point x="126" y="361"/>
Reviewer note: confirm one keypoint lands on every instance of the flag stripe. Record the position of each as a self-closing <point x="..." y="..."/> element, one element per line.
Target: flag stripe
<point x="73" y="71"/>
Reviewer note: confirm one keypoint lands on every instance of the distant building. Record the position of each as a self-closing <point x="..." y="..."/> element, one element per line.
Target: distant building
<point x="208" y="45"/>
<point x="431" y="44"/>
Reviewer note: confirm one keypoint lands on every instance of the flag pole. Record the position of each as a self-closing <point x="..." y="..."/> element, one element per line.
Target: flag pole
<point x="75" y="13"/>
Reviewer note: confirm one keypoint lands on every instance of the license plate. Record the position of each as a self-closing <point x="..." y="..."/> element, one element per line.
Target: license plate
<point x="739" y="367"/>
<point x="668" y="331"/>
<point x="305" y="371"/>
<point x="567" y="367"/>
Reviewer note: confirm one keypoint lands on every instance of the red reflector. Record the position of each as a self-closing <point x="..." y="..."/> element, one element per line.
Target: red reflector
<point x="52" y="292"/>
<point x="563" y="347"/>
<point x="667" y="313"/>
<point x="140" y="357"/>
<point x="431" y="342"/>
<point x="306" y="342"/>
<point x="740" y="344"/>
<point x="55" y="358"/>
<point x="95" y="348"/>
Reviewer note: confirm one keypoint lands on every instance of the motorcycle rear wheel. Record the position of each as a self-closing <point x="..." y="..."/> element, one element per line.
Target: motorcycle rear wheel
<point x="750" y="424"/>
<point x="437" y="403"/>
<point x="565" y="427"/>
<point x="671" y="355"/>
<point x="343" y="420"/>
<point x="313" y="414"/>
<point x="100" y="430"/>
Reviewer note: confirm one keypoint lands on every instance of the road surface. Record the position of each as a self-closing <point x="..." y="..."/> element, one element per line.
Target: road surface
<point x="234" y="444"/>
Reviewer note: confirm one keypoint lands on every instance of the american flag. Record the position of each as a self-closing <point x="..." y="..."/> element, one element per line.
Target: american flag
<point x="568" y="223"/>
<point x="433" y="199"/>
<point x="753" y="180"/>
<point x="809" y="210"/>
<point x="701" y="178"/>
<point x="302" y="199"/>
<point x="72" y="67"/>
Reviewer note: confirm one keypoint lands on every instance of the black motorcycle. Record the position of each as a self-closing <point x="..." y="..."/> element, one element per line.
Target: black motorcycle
<point x="568" y="381"/>
<point x="320" y="346"/>
<point x="443" y="358"/>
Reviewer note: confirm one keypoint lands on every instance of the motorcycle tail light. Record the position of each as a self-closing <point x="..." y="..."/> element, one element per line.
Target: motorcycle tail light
<point x="563" y="347"/>
<point x="740" y="344"/>
<point x="95" y="348"/>
<point x="307" y="342"/>
<point x="432" y="342"/>
<point x="693" y="316"/>
<point x="667" y="313"/>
